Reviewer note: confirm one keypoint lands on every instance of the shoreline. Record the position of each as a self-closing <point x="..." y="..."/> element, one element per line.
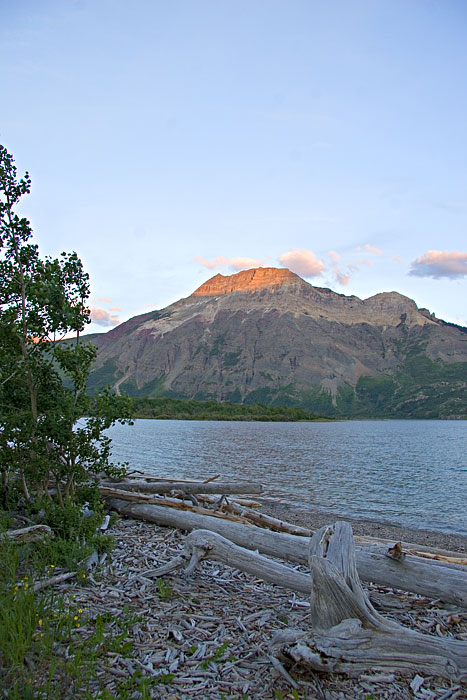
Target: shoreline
<point x="314" y="518"/>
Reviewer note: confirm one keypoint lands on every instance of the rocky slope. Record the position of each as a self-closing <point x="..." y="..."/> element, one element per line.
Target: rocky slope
<point x="267" y="335"/>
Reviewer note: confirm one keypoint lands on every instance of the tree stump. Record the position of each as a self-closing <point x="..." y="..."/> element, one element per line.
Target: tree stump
<point x="348" y="635"/>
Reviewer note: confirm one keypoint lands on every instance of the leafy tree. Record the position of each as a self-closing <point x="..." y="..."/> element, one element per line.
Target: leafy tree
<point x="42" y="380"/>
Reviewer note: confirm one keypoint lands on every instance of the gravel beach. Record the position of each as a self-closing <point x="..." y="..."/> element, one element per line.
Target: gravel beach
<point x="206" y="636"/>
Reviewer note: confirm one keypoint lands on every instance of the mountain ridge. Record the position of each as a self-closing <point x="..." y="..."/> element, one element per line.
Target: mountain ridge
<point x="266" y="334"/>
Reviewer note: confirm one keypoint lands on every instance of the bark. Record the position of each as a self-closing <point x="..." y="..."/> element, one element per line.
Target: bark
<point x="433" y="579"/>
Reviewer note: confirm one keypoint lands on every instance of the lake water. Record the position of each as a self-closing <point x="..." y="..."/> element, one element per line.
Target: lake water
<point x="413" y="473"/>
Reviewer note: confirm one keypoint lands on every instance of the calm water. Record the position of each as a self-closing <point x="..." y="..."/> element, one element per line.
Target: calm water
<point x="408" y="472"/>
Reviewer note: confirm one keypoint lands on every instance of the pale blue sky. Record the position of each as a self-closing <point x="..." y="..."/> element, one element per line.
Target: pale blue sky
<point x="168" y="141"/>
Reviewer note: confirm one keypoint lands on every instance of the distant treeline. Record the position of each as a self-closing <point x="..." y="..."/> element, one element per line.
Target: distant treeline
<point x="189" y="409"/>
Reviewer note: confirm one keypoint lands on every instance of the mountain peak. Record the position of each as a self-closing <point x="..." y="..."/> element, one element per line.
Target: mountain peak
<point x="246" y="281"/>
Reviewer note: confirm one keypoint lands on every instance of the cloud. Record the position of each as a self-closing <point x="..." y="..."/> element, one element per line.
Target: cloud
<point x="233" y="263"/>
<point x="302" y="262"/>
<point x="103" y="317"/>
<point x="342" y="277"/>
<point x="439" y="263"/>
<point x="105" y="299"/>
<point x="370" y="249"/>
<point x="398" y="259"/>
<point x="362" y="261"/>
<point x="115" y="308"/>
<point x="333" y="256"/>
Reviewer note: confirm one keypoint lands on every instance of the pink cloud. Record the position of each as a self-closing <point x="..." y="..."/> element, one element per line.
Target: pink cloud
<point x="233" y="263"/>
<point x="398" y="259"/>
<point x="303" y="262"/>
<point x="333" y="256"/>
<point x="343" y="274"/>
<point x="342" y="277"/>
<point x="105" y="299"/>
<point x="103" y="317"/>
<point x="439" y="263"/>
<point x="115" y="308"/>
<point x="370" y="249"/>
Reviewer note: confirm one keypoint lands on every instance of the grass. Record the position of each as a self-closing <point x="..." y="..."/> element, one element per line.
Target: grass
<point x="50" y="647"/>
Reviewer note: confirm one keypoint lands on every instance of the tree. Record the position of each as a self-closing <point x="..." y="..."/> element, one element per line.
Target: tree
<point x="42" y="377"/>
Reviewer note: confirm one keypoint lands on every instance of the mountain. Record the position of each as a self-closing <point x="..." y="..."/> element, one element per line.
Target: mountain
<point x="265" y="335"/>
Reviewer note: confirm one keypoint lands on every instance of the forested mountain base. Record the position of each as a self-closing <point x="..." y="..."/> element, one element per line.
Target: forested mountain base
<point x="189" y="409"/>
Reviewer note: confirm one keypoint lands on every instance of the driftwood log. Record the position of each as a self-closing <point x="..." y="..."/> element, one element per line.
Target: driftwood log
<point x="220" y="487"/>
<point x="433" y="579"/>
<point x="204" y="544"/>
<point x="177" y="504"/>
<point x="348" y="635"/>
<point x="267" y="521"/>
<point x="33" y="533"/>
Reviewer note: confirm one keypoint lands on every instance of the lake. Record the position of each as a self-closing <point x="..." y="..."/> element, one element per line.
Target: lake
<point x="413" y="473"/>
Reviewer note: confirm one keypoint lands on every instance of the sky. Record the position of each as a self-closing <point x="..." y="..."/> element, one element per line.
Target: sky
<point x="170" y="141"/>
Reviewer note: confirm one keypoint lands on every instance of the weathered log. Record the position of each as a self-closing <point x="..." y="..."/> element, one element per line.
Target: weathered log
<point x="136" y="474"/>
<point x="432" y="579"/>
<point x="177" y="504"/>
<point x="216" y="500"/>
<point x="33" y="533"/>
<point x="411" y="547"/>
<point x="186" y="486"/>
<point x="204" y="544"/>
<point x="278" y="525"/>
<point x="348" y="635"/>
<point x="267" y="521"/>
<point x="53" y="580"/>
<point x="439" y="557"/>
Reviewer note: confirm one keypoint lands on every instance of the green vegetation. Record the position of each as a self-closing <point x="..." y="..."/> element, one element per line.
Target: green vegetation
<point x="423" y="388"/>
<point x="41" y="300"/>
<point x="190" y="409"/>
<point x="50" y="647"/>
<point x="49" y="461"/>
